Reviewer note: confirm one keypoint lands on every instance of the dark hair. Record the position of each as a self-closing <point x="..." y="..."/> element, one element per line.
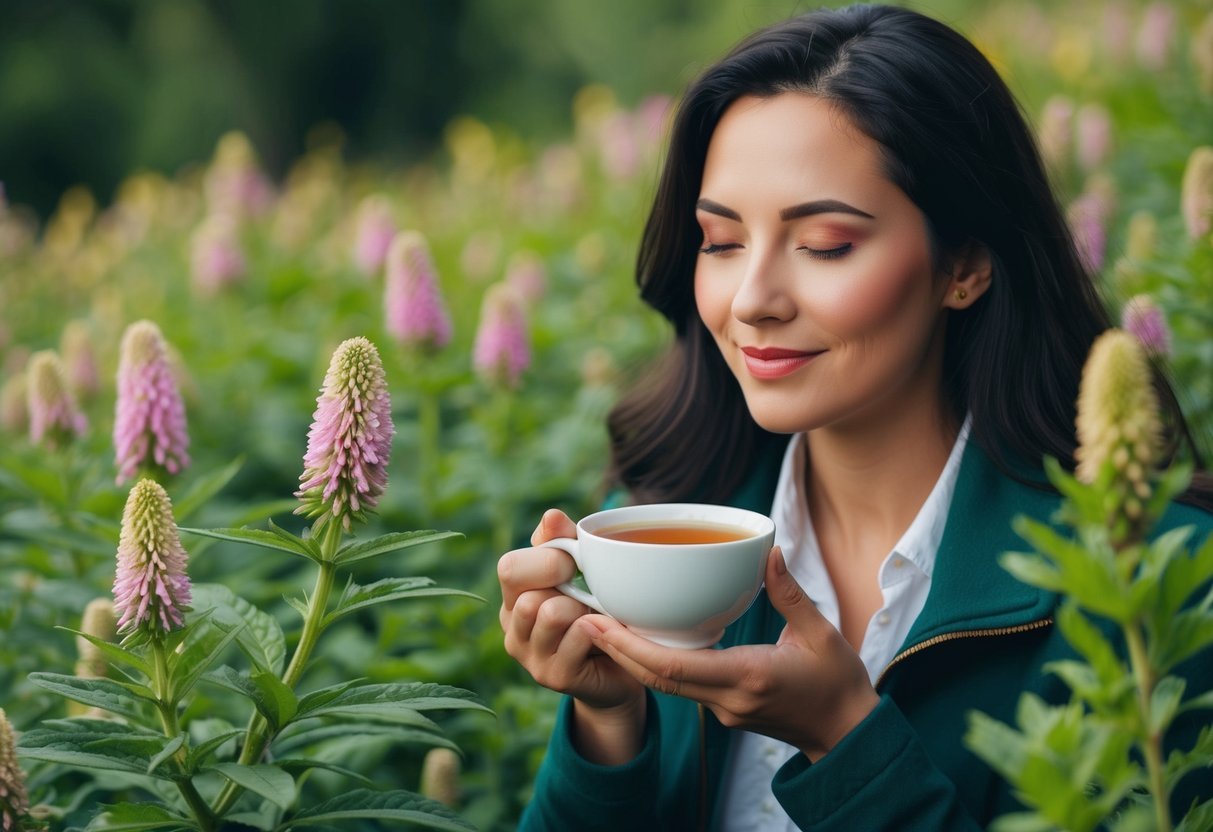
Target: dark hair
<point x="955" y="141"/>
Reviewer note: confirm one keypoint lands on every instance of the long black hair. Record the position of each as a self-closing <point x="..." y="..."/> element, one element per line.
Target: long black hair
<point x="954" y="140"/>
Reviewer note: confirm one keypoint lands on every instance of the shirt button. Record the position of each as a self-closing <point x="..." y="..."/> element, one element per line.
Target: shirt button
<point x="883" y="618"/>
<point x="768" y="806"/>
<point x="898" y="563"/>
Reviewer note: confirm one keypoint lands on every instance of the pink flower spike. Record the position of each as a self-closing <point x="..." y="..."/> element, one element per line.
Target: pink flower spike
<point x="345" y="468"/>
<point x="1087" y="216"/>
<point x="415" y="313"/>
<point x="1142" y="318"/>
<point x="374" y="230"/>
<point x="216" y="257"/>
<point x="149" y="422"/>
<point x="54" y="418"/>
<point x="502" y="350"/>
<point x="151" y="589"/>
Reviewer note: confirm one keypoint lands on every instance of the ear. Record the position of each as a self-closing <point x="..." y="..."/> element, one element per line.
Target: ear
<point x="969" y="276"/>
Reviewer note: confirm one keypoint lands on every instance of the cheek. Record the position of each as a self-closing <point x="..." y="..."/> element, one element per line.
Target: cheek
<point x="885" y="300"/>
<point x="714" y="302"/>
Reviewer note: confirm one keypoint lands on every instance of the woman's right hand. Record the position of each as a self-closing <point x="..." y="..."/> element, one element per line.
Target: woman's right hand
<point x="539" y="634"/>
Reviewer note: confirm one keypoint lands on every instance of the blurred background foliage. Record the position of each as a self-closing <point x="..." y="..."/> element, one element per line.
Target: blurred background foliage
<point x="522" y="139"/>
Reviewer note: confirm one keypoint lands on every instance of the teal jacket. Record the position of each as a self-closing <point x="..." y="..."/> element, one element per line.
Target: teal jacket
<point x="981" y="640"/>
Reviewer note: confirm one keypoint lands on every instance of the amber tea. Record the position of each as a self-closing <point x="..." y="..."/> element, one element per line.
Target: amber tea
<point x="681" y="533"/>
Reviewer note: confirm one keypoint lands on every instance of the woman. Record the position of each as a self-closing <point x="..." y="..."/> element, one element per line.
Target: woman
<point x="857" y="246"/>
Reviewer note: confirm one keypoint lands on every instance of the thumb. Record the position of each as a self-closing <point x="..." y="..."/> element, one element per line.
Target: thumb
<point x="785" y="593"/>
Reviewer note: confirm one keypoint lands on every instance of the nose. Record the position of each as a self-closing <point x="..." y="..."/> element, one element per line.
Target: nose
<point x="762" y="295"/>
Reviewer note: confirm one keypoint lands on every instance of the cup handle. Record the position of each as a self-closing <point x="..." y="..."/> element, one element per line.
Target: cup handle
<point x="569" y="544"/>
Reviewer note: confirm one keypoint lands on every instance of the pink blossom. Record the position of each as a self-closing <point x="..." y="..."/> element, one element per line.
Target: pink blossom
<point x="527" y="276"/>
<point x="374" y="229"/>
<point x="79" y="361"/>
<point x="618" y="145"/>
<point x="14" y="800"/>
<point x="501" y="352"/>
<point x="345" y="468"/>
<point x="414" y="310"/>
<point x="1087" y="216"/>
<point x="149" y="421"/>
<point x="54" y="418"/>
<point x="1142" y="318"/>
<point x="1155" y="36"/>
<point x="1094" y="140"/>
<point x="216" y="257"/>
<point x="234" y="183"/>
<point x="151" y="589"/>
<point x="1056" y="130"/>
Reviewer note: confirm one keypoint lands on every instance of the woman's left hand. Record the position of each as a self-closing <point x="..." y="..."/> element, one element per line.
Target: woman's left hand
<point x="809" y="689"/>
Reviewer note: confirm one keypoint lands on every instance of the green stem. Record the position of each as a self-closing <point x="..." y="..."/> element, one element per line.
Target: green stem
<point x="258" y="736"/>
<point x="167" y="709"/>
<point x="429" y="427"/>
<point x="1152" y="747"/>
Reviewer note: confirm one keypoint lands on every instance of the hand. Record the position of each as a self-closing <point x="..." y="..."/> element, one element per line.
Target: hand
<point x="809" y="689"/>
<point x="539" y="634"/>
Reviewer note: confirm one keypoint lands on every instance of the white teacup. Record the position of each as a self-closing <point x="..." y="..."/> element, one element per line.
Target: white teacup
<point x="680" y="594"/>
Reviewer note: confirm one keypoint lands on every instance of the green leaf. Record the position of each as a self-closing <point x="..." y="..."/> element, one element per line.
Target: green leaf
<point x="1164" y="702"/>
<point x="1198" y="819"/>
<point x="402" y="806"/>
<point x="133" y="817"/>
<point x="204" y="488"/>
<point x="169" y="750"/>
<point x="354" y="552"/>
<point x="323" y="696"/>
<point x="93" y="743"/>
<point x="308" y="543"/>
<point x="1087" y="639"/>
<point x="1002" y="747"/>
<point x="115" y="653"/>
<point x="273" y="700"/>
<point x="394" y="702"/>
<point x="271" y="782"/>
<point x="356" y="597"/>
<point x="261" y="638"/>
<point x="202" y="750"/>
<point x="197" y="656"/>
<point x="302" y="764"/>
<point x="1179" y="763"/>
<point x="115" y="697"/>
<point x="256" y="537"/>
<point x="305" y="735"/>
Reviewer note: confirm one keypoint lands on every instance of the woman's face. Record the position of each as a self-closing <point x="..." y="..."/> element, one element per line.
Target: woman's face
<point x="815" y="275"/>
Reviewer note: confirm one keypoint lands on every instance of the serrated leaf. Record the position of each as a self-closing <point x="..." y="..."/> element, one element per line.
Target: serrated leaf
<point x="197" y="657"/>
<point x="132" y="817"/>
<point x="402" y="806"/>
<point x="1164" y="702"/>
<point x="255" y="537"/>
<point x="261" y="639"/>
<point x="308" y="543"/>
<point x="356" y="597"/>
<point x="115" y="697"/>
<point x="323" y="696"/>
<point x="395" y="701"/>
<point x="305" y="736"/>
<point x="204" y="488"/>
<point x="272" y="699"/>
<point x="382" y="545"/>
<point x="92" y="743"/>
<point x="115" y="653"/>
<point x="169" y="750"/>
<point x="271" y="782"/>
<point x="1198" y="819"/>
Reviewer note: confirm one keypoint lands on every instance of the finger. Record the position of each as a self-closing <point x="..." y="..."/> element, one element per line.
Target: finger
<point x="553" y="524"/>
<point x="701" y="675"/>
<point x="523" y="570"/>
<point x="786" y="595"/>
<point x="554" y="621"/>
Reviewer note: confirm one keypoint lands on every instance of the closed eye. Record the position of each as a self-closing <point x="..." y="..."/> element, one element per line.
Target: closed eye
<point x="828" y="253"/>
<point x="713" y="248"/>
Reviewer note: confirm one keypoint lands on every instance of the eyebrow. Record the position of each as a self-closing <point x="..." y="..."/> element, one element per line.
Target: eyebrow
<point x="794" y="212"/>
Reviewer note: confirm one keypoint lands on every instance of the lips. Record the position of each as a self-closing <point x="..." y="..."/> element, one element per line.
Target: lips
<point x="774" y="362"/>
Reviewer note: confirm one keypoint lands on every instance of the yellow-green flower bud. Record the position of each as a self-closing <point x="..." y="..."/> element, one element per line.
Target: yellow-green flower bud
<point x="440" y="776"/>
<point x="1119" y="432"/>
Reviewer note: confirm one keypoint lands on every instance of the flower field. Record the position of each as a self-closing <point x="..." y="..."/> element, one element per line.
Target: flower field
<point x="174" y="340"/>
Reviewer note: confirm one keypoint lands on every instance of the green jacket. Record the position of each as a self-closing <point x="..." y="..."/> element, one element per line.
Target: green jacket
<point x="981" y="640"/>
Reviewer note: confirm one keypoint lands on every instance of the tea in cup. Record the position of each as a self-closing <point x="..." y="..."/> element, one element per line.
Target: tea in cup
<point x="675" y="573"/>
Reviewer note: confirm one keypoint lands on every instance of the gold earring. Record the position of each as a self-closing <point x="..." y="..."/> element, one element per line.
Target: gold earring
<point x="960" y="294"/>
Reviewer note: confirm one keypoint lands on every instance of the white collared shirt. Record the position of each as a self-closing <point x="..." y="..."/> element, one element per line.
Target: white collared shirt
<point x="905" y="579"/>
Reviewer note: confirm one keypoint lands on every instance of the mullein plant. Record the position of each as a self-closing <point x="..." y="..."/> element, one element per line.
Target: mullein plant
<point x="1134" y="606"/>
<point x="176" y="636"/>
